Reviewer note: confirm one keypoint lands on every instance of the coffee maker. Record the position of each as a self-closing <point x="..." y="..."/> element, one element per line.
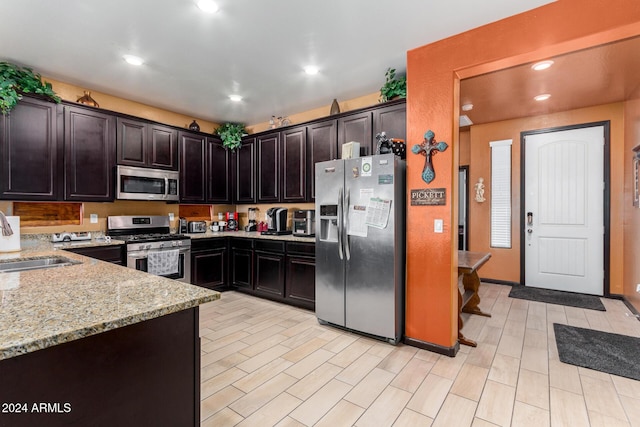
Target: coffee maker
<point x="277" y="221"/>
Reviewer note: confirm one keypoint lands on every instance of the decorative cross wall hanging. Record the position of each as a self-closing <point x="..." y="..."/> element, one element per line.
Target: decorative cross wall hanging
<point x="429" y="148"/>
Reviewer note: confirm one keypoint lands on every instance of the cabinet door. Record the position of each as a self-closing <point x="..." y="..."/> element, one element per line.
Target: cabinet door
<point x="192" y="168"/>
<point x="208" y="268"/>
<point x="358" y="128"/>
<point x="294" y="168"/>
<point x="268" y="152"/>
<point x="245" y="164"/>
<point x="90" y="153"/>
<point x="162" y="147"/>
<point x="301" y="281"/>
<point x="131" y="142"/>
<point x="322" y="145"/>
<point x="112" y="254"/>
<point x="218" y="172"/>
<point x="270" y="270"/>
<point x="31" y="151"/>
<point x="392" y="120"/>
<point x="242" y="268"/>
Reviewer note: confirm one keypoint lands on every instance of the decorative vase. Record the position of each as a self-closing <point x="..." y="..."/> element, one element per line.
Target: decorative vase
<point x="86" y="99"/>
<point x="194" y="126"/>
<point x="335" y="108"/>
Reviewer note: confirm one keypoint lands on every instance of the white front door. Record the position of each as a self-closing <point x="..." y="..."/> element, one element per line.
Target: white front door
<point x="564" y="210"/>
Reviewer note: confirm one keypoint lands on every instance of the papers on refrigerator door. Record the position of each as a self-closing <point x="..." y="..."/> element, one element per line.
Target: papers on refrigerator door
<point x="357" y="221"/>
<point x="378" y="212"/>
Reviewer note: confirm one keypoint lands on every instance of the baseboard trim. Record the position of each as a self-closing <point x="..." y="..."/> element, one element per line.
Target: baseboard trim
<point x="499" y="282"/>
<point x="447" y="351"/>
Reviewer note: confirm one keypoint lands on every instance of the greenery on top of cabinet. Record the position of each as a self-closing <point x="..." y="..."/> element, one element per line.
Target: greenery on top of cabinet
<point x="16" y="81"/>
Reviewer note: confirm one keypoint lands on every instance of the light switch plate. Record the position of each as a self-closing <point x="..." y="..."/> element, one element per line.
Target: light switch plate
<point x="438" y="225"/>
<point x="93" y="218"/>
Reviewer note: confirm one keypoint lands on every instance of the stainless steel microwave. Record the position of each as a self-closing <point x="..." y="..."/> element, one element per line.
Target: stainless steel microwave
<point x="133" y="183"/>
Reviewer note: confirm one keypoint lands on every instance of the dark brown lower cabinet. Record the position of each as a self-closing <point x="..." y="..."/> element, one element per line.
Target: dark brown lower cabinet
<point x="300" y="286"/>
<point x="209" y="263"/>
<point x="113" y="254"/>
<point x="145" y="374"/>
<point x="269" y="268"/>
<point x="274" y="269"/>
<point x="242" y="264"/>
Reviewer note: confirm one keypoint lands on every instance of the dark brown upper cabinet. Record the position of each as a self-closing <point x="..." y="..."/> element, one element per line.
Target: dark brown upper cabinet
<point x="245" y="172"/>
<point x="31" y="151"/>
<point x="392" y="120"/>
<point x="358" y="128"/>
<point x="268" y="165"/>
<point x="146" y="144"/>
<point x="293" y="175"/>
<point x="90" y="153"/>
<point x="192" y="167"/>
<point x="322" y="145"/>
<point x="219" y="178"/>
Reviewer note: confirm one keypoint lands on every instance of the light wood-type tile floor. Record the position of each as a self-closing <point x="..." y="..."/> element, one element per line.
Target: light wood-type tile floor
<point x="269" y="364"/>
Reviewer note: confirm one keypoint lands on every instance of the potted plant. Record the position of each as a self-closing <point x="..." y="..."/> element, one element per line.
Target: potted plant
<point x="394" y="87"/>
<point x="16" y="81"/>
<point x="231" y="134"/>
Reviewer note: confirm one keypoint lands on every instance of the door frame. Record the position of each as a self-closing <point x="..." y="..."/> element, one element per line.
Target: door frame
<point x="465" y="169"/>
<point x="606" y="172"/>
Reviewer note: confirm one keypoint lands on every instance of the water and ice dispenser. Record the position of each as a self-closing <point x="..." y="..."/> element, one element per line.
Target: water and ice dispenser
<point x="329" y="225"/>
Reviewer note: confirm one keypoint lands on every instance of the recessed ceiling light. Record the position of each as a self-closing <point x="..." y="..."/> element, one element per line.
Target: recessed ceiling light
<point x="207" y="6"/>
<point x="311" y="70"/>
<point x="542" y="97"/>
<point x="542" y="65"/>
<point x="467" y="107"/>
<point x="235" y="98"/>
<point x="133" y="60"/>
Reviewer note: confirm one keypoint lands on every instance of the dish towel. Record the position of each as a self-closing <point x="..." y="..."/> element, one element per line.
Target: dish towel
<point x="163" y="263"/>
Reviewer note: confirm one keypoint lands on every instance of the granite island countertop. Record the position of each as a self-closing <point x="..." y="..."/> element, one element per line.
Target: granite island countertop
<point x="45" y="307"/>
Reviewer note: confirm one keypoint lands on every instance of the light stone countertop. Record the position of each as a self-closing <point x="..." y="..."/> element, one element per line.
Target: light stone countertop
<point x="251" y="235"/>
<point x="45" y="307"/>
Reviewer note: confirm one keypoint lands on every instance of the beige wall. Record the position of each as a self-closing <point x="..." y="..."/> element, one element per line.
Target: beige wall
<point x="505" y="263"/>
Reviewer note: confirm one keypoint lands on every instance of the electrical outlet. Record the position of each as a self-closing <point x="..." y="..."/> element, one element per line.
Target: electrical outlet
<point x="638" y="288"/>
<point x="438" y="225"/>
<point x="171" y="216"/>
<point x="93" y="218"/>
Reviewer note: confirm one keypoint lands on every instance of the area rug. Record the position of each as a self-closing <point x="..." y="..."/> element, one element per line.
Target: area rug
<point x="603" y="351"/>
<point x="549" y="296"/>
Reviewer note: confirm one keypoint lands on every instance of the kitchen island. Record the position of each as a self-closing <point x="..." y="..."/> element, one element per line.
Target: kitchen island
<point x="97" y="344"/>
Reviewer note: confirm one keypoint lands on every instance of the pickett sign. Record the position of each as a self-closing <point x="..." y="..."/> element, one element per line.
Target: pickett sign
<point x="429" y="197"/>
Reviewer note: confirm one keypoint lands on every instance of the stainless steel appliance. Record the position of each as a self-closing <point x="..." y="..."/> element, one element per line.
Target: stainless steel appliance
<point x="277" y="221"/>
<point x="133" y="183"/>
<point x="182" y="225"/>
<point x="197" y="227"/>
<point x="360" y="245"/>
<point x="304" y="222"/>
<point x="252" y="224"/>
<point x="145" y="235"/>
<point x="232" y="221"/>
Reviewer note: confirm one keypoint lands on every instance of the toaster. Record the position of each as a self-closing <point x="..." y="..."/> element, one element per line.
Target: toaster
<point x="197" y="227"/>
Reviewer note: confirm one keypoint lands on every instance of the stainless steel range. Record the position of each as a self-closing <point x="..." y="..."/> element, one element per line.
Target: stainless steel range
<point x="151" y="247"/>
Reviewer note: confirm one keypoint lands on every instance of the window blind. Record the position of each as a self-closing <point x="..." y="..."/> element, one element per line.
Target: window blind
<point x="501" y="193"/>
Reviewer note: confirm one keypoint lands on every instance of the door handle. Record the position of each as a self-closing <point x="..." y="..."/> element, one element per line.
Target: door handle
<point x="347" y="249"/>
<point x="340" y="223"/>
<point x="529" y="218"/>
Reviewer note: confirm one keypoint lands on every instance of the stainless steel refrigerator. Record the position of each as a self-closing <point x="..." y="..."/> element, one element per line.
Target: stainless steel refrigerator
<point x="360" y="245"/>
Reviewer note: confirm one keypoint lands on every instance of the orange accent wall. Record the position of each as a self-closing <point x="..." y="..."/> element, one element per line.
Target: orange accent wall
<point x="631" y="241"/>
<point x="433" y="73"/>
<point x="505" y="263"/>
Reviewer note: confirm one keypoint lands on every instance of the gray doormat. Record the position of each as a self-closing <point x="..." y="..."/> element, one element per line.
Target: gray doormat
<point x="549" y="296"/>
<point x="603" y="351"/>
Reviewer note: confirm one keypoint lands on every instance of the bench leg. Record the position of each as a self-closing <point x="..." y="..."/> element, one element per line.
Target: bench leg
<point x="472" y="282"/>
<point x="461" y="337"/>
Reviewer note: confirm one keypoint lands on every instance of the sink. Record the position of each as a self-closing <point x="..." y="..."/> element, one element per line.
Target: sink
<point x="25" y="264"/>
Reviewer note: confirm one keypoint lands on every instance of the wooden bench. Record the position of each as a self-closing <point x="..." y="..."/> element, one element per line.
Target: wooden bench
<point x="468" y="285"/>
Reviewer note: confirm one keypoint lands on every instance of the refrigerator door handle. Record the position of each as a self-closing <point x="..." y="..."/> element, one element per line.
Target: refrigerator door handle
<point x="340" y="223"/>
<point x="347" y="249"/>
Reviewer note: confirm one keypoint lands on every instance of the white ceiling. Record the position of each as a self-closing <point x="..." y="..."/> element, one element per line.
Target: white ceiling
<point x="256" y="49"/>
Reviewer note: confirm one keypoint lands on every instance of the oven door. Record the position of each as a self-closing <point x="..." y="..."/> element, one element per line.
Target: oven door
<point x="138" y="260"/>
